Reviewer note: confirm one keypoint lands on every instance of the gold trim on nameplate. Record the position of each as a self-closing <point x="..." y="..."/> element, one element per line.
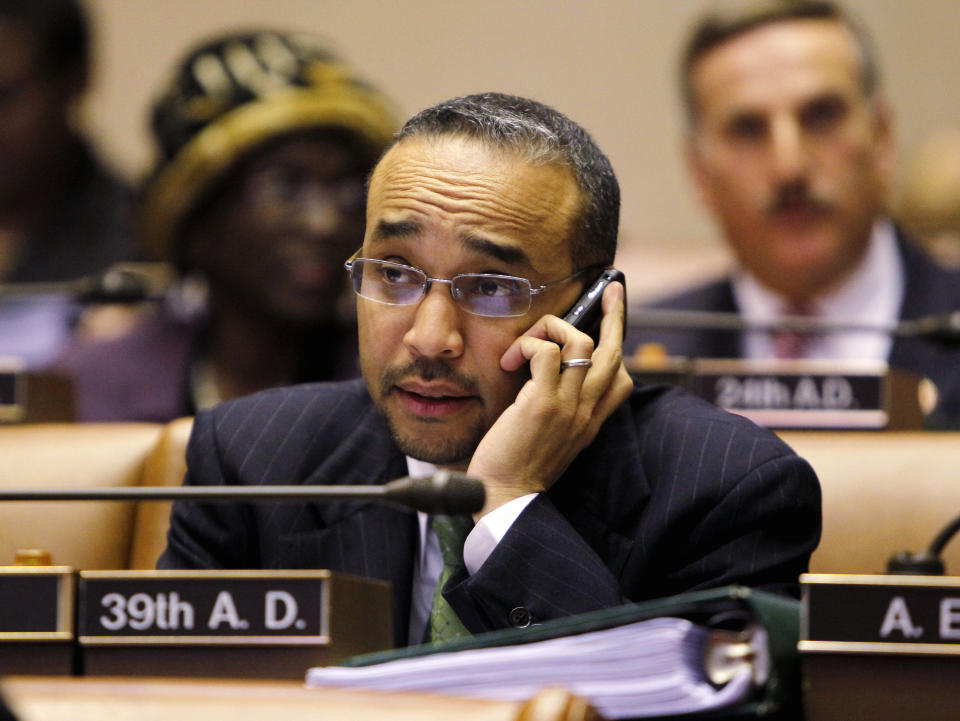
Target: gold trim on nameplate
<point x="322" y="640"/>
<point x="878" y="647"/>
<point x="41" y="570"/>
<point x="211" y="574"/>
<point x="36" y="635"/>
<point x="876" y="579"/>
<point x="65" y="616"/>
<point x="814" y="418"/>
<point x="325" y="610"/>
<point x="773" y="366"/>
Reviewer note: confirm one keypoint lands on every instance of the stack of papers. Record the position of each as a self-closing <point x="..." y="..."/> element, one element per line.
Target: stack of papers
<point x="655" y="667"/>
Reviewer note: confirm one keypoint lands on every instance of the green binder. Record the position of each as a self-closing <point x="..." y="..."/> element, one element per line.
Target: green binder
<point x="734" y="609"/>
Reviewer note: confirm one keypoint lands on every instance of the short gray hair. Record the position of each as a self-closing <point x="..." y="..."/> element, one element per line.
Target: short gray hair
<point x="542" y="136"/>
<point x="727" y="20"/>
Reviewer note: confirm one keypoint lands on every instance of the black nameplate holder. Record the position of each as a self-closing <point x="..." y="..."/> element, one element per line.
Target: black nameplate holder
<point x="880" y="646"/>
<point x="797" y="394"/>
<point x="811" y="394"/>
<point x="36" y="623"/>
<point x="12" y="392"/>
<point x="34" y="396"/>
<point x="269" y="624"/>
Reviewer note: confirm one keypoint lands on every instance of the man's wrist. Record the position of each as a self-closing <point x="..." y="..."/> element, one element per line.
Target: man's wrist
<point x="490" y="530"/>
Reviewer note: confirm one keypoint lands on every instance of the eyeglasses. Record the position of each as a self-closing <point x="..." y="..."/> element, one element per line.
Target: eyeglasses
<point x="487" y="294"/>
<point x="278" y="187"/>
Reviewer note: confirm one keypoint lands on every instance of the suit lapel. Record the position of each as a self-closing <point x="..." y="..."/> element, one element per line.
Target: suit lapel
<point x="365" y="538"/>
<point x="928" y="290"/>
<point x="694" y="343"/>
<point x="724" y="344"/>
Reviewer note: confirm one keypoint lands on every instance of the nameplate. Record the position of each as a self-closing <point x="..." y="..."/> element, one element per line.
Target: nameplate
<point x="878" y="614"/>
<point x="204" y="607"/>
<point x="12" y="391"/>
<point x="797" y="394"/>
<point x="36" y="603"/>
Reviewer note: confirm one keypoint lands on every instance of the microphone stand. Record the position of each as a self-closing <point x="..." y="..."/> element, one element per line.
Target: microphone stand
<point x="444" y="492"/>
<point x="941" y="328"/>
<point x="924" y="563"/>
<point x="120" y="283"/>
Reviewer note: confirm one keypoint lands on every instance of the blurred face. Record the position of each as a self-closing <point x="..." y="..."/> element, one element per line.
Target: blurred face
<point x="33" y="113"/>
<point x="451" y="205"/>
<point x="789" y="153"/>
<point x="275" y="237"/>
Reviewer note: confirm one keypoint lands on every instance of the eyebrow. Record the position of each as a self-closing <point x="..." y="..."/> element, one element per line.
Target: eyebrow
<point x="386" y="230"/>
<point x="504" y="253"/>
<point x="399" y="229"/>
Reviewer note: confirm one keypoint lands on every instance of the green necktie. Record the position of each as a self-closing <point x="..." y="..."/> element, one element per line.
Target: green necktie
<point x="451" y="532"/>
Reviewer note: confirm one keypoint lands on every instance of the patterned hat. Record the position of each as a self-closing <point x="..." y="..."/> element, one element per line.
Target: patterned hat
<point x="232" y="95"/>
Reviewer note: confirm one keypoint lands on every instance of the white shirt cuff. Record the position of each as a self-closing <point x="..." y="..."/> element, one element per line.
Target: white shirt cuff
<point x="490" y="530"/>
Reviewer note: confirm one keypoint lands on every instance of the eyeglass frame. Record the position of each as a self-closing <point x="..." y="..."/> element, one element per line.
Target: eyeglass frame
<point x="461" y="303"/>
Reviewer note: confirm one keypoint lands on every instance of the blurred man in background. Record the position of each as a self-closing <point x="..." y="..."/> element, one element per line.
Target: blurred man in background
<point x="265" y="142"/>
<point x="791" y="147"/>
<point x="62" y="213"/>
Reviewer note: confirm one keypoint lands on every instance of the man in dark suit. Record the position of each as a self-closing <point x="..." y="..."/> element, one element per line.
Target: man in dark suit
<point x="791" y="148"/>
<point x="484" y="223"/>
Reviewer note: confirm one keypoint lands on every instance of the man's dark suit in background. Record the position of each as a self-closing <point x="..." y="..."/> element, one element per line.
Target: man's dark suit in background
<point x="929" y="289"/>
<point x="672" y="495"/>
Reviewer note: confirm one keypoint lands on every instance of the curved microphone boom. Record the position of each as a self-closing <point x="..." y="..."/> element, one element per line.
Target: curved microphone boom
<point x="444" y="492"/>
<point x="924" y="563"/>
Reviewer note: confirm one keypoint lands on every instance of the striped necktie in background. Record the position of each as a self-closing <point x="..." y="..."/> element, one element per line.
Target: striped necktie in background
<point x="793" y="344"/>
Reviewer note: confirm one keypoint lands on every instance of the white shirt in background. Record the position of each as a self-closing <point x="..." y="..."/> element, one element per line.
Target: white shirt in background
<point x="872" y="294"/>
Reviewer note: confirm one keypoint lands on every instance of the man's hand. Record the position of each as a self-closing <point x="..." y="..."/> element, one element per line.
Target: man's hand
<point x="557" y="412"/>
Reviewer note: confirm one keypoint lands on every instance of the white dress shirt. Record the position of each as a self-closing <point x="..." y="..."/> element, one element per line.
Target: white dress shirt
<point x="871" y="294"/>
<point x="429" y="563"/>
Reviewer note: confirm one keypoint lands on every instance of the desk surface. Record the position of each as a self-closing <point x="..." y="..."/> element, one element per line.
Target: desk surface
<point x="36" y="698"/>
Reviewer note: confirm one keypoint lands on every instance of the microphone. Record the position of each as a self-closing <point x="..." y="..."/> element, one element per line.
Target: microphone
<point x="924" y="563"/>
<point x="445" y="492"/>
<point x="941" y="328"/>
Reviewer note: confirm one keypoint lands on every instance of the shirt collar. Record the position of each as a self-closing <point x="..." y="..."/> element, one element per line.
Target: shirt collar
<point x="856" y="299"/>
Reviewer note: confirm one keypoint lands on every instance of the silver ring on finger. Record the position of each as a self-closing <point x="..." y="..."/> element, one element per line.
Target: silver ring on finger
<point x="575" y="363"/>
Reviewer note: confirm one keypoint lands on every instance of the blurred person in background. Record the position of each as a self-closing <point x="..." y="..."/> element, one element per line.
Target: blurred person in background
<point x="63" y="214"/>
<point x="791" y="146"/>
<point x="265" y="141"/>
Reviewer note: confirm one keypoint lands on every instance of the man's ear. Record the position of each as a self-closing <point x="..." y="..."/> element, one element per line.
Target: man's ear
<point x="693" y="152"/>
<point x="885" y="142"/>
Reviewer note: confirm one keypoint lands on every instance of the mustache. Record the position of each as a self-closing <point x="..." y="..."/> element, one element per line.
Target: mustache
<point x="799" y="195"/>
<point x="427" y="369"/>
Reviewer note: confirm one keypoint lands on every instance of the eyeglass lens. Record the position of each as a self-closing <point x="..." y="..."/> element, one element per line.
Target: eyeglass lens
<point x="480" y="294"/>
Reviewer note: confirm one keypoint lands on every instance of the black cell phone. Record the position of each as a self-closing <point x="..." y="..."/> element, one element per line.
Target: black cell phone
<point x="587" y="312"/>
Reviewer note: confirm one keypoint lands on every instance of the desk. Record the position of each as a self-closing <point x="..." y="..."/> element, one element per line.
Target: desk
<point x="146" y="699"/>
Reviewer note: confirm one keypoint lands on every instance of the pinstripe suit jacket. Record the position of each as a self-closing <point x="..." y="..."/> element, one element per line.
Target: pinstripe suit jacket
<point x="673" y="495"/>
